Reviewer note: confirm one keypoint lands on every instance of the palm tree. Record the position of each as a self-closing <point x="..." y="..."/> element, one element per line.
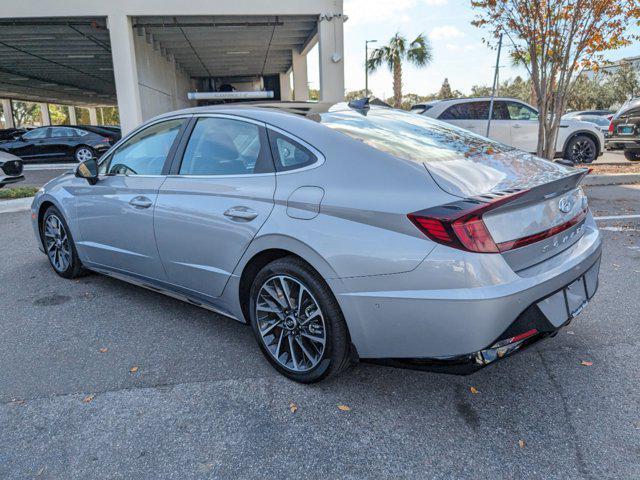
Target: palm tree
<point x="417" y="53"/>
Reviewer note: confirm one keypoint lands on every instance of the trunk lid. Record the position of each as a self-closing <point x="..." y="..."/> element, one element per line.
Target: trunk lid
<point x="545" y="217"/>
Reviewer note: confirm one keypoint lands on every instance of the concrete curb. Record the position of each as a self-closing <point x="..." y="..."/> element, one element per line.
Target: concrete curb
<point x="17" y="205"/>
<point x="612" y="179"/>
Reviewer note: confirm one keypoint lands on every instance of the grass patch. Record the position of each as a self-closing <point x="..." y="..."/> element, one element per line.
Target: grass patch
<point x="17" y="192"/>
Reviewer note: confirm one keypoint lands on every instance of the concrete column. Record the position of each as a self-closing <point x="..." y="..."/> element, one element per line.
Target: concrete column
<point x="300" y="77"/>
<point x="73" y="119"/>
<point x="285" y="87"/>
<point x="9" y="122"/>
<point x="125" y="71"/>
<point x="331" y="48"/>
<point x="44" y="112"/>
<point x="93" y="116"/>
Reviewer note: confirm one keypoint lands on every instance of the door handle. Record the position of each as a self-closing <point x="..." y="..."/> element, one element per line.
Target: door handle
<point x="140" y="202"/>
<point x="517" y="125"/>
<point x="241" y="213"/>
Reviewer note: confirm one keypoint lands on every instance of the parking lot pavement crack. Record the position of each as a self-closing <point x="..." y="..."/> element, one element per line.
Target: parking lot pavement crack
<point x="571" y="430"/>
<point x="21" y="401"/>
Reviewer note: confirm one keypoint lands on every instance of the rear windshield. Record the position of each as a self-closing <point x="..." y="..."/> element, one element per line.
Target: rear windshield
<point x="411" y="137"/>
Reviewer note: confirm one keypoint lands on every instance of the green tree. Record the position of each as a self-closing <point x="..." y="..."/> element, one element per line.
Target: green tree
<point x="59" y="114"/>
<point x="314" y="94"/>
<point x="109" y="116"/>
<point x="445" y="90"/>
<point x="623" y="83"/>
<point x="26" y="113"/>
<point x="397" y="51"/>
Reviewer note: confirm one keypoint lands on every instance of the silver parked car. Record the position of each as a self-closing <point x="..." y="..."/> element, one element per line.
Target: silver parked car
<point x="351" y="232"/>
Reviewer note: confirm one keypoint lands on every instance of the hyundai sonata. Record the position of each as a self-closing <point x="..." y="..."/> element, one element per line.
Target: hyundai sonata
<point x="355" y="232"/>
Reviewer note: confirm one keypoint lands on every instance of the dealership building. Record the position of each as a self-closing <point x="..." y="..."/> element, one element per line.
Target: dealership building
<point x="152" y="56"/>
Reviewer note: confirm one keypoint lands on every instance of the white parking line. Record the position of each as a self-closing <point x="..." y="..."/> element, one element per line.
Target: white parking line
<point x="49" y="166"/>
<point x="617" y="217"/>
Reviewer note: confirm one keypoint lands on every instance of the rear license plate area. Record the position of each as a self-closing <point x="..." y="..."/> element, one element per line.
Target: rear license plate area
<point x="571" y="300"/>
<point x="626" y="129"/>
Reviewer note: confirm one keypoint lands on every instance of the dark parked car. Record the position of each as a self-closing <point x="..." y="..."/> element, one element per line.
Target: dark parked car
<point x="11" y="133"/>
<point x="10" y="169"/>
<point x="47" y="144"/>
<point x="625" y="129"/>
<point x="105" y="130"/>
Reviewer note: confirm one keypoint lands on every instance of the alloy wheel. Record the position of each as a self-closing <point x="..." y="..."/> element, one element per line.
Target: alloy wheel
<point x="57" y="243"/>
<point x="582" y="151"/>
<point x="291" y="323"/>
<point x="83" y="154"/>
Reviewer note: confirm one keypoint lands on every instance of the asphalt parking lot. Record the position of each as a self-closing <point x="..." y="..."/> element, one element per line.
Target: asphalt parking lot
<point x="101" y="379"/>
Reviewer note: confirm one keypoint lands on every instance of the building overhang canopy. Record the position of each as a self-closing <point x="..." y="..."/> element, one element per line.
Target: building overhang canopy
<point x="227" y="46"/>
<point x="56" y="60"/>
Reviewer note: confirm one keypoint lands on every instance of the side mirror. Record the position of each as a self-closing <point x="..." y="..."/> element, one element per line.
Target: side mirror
<point x="88" y="170"/>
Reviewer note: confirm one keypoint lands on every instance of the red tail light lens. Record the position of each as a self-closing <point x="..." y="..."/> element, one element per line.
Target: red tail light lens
<point x="610" y="127"/>
<point x="460" y="225"/>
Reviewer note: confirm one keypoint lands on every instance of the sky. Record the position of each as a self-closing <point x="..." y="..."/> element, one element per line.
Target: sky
<point x="458" y="51"/>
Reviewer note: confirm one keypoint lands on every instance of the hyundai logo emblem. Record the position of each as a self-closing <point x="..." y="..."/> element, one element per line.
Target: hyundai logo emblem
<point x="565" y="205"/>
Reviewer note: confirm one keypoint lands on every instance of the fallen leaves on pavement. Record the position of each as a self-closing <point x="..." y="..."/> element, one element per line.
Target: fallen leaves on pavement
<point x="344" y="408"/>
<point x="585" y="363"/>
<point x="474" y="390"/>
<point x="521" y="443"/>
<point x="104" y="350"/>
<point x="293" y="407"/>
<point x="133" y="369"/>
<point x="88" y="398"/>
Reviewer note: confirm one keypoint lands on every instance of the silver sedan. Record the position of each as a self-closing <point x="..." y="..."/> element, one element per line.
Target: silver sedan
<point x="353" y="232"/>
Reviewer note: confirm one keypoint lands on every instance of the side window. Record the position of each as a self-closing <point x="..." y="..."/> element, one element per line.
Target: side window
<point x="289" y="154"/>
<point x="145" y="152"/>
<point x="467" y="111"/>
<point x="36" y="134"/>
<point x="456" y="112"/>
<point x="60" y="132"/>
<point x="500" y="111"/>
<point x="80" y="133"/>
<point x="520" y="111"/>
<point x="222" y="146"/>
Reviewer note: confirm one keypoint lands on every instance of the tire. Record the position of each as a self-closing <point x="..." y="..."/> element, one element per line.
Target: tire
<point x="67" y="265"/>
<point x="286" y="327"/>
<point x="632" y="156"/>
<point x="581" y="149"/>
<point x="84" y="153"/>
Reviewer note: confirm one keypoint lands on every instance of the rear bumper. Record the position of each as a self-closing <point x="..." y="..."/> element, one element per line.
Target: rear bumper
<point x="626" y="143"/>
<point x="543" y="319"/>
<point x="454" y="304"/>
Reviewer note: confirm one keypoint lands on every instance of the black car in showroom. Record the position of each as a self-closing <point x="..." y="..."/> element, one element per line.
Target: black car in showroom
<point x="47" y="144"/>
<point x="624" y="131"/>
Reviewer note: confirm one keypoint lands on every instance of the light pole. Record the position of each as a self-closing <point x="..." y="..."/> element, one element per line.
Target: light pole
<point x="366" y="66"/>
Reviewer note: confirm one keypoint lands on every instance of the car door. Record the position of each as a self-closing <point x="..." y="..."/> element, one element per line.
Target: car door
<point x="501" y="124"/>
<point x="60" y="141"/>
<point x="524" y="126"/>
<point x="32" y="144"/>
<point x="471" y="116"/>
<point x="115" y="216"/>
<point x="219" y="195"/>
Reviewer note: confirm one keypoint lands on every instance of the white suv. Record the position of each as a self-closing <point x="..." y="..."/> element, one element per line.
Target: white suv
<point x="515" y="123"/>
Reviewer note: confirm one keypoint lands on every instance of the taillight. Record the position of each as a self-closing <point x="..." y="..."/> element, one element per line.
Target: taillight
<point x="460" y="225"/>
<point x="610" y="127"/>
